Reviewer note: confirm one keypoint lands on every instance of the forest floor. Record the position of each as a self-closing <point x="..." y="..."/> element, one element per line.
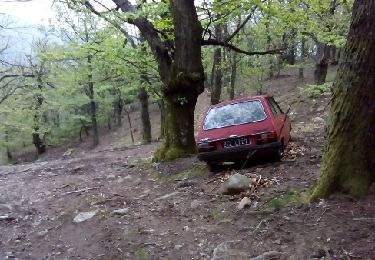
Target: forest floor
<point x="137" y="209"/>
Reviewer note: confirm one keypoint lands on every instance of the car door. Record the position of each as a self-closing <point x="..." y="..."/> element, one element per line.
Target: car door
<point x="281" y="120"/>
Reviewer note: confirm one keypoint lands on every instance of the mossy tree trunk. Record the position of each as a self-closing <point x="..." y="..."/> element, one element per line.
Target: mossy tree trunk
<point x="185" y="84"/>
<point x="348" y="162"/>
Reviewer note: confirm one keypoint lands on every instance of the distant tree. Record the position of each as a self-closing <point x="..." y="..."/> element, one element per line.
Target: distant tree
<point x="348" y="162"/>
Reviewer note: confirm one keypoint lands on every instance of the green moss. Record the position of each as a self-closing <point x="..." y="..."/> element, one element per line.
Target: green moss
<point x="172" y="153"/>
<point x="290" y="197"/>
<point x="141" y="254"/>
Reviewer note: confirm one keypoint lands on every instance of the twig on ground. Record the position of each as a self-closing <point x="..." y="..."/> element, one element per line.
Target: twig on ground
<point x="258" y="226"/>
<point x="79" y="191"/>
<point x="363" y="219"/>
<point x="321" y="215"/>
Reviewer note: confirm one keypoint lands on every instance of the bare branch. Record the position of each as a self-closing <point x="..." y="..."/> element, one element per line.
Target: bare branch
<point x="214" y="42"/>
<point x="16" y="75"/>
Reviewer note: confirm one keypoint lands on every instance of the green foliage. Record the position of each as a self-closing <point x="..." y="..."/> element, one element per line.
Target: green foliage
<point x="290" y="197"/>
<point x="314" y="91"/>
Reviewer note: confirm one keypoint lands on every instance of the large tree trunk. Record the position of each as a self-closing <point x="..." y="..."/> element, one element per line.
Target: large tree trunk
<point x="161" y="106"/>
<point x="145" y="116"/>
<point x="348" y="162"/>
<point x="233" y="75"/>
<point x="217" y="70"/>
<point x="91" y="95"/>
<point x="37" y="140"/>
<point x="321" y="65"/>
<point x="302" y="59"/>
<point x="185" y="84"/>
<point x="7" y="149"/>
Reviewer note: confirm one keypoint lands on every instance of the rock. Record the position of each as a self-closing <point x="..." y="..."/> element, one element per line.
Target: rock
<point x="111" y="177"/>
<point x="246" y="201"/>
<point x="42" y="233"/>
<point x="185" y="183"/>
<point x="178" y="247"/>
<point x="83" y="216"/>
<point x="68" y="152"/>
<point x="167" y="196"/>
<point x="6" y="207"/>
<point x="268" y="256"/>
<point x="235" y="184"/>
<point x="7" y="218"/>
<point x="225" y="251"/>
<point x="195" y="204"/>
<point x="120" y="212"/>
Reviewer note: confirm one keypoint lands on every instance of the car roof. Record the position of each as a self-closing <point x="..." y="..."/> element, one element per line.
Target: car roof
<point x="249" y="98"/>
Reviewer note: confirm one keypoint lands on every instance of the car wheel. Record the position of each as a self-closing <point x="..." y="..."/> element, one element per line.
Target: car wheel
<point x="212" y="167"/>
<point x="279" y="153"/>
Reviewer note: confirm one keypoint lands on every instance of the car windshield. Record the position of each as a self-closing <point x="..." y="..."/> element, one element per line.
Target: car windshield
<point x="234" y="114"/>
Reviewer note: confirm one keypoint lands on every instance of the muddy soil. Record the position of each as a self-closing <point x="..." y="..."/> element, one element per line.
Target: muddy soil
<point x="145" y="210"/>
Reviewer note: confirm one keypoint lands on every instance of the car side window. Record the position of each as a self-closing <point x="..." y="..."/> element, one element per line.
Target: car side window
<point x="276" y="110"/>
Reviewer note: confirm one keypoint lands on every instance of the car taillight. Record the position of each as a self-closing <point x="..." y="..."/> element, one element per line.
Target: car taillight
<point x="266" y="138"/>
<point x="205" y="147"/>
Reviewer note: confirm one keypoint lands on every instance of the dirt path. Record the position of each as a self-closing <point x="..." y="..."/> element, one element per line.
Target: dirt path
<point x="173" y="211"/>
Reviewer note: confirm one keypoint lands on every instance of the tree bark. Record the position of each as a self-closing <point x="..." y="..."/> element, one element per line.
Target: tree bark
<point x="348" y="161"/>
<point x="91" y="95"/>
<point x="37" y="140"/>
<point x="187" y="82"/>
<point x="217" y="69"/>
<point x="7" y="149"/>
<point x="145" y="116"/>
<point x="233" y="75"/>
<point x="302" y="59"/>
<point x="321" y="65"/>
<point x="162" y="119"/>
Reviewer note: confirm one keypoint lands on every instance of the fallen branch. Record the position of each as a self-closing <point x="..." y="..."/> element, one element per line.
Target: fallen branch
<point x="79" y="191"/>
<point x="363" y="219"/>
<point x="321" y="215"/>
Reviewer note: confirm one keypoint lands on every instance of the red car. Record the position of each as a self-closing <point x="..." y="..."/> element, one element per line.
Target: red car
<point x="236" y="130"/>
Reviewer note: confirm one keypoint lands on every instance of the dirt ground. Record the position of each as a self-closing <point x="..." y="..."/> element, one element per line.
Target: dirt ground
<point x="173" y="210"/>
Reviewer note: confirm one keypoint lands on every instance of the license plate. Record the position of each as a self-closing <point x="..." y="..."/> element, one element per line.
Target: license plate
<point x="235" y="142"/>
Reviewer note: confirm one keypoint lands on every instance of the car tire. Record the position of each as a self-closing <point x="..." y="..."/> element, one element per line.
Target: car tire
<point x="278" y="154"/>
<point x="212" y="167"/>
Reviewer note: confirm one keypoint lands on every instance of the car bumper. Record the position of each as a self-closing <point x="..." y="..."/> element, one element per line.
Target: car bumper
<point x="239" y="152"/>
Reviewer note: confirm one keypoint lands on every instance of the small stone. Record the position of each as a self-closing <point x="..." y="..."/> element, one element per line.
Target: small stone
<point x="111" y="176"/>
<point x="268" y="256"/>
<point x="83" y="216"/>
<point x="7" y="218"/>
<point x="167" y="195"/>
<point x="246" y="201"/>
<point x="277" y="242"/>
<point x="178" y="247"/>
<point x="120" y="212"/>
<point x="42" y="233"/>
<point x="194" y="204"/>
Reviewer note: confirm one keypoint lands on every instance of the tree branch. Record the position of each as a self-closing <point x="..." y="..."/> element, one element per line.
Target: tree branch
<point x="214" y="42"/>
<point x="16" y="75"/>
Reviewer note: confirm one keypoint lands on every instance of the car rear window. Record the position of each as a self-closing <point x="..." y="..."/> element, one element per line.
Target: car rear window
<point x="234" y="114"/>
